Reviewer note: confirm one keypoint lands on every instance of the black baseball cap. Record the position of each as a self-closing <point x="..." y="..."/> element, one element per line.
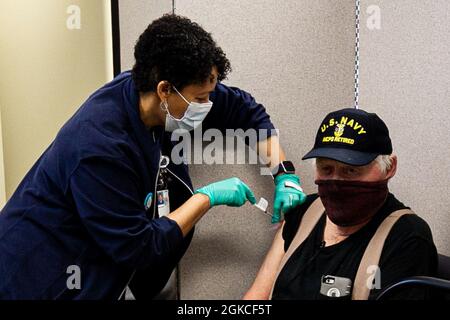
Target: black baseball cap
<point x="352" y="136"/>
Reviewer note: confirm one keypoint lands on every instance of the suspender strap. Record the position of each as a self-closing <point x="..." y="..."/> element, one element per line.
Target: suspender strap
<point x="371" y="257"/>
<point x="307" y="224"/>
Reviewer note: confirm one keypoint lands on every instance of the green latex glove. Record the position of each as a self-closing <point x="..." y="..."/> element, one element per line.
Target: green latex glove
<point x="288" y="194"/>
<point x="231" y="192"/>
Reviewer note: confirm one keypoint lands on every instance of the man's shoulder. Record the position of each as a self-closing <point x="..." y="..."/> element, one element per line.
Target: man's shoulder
<point x="410" y="225"/>
<point x="410" y="240"/>
<point x="413" y="226"/>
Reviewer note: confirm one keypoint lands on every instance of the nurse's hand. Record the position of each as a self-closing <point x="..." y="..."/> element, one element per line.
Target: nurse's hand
<point x="231" y="192"/>
<point x="288" y="194"/>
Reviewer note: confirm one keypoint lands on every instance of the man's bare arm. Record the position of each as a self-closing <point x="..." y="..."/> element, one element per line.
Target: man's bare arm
<point x="265" y="279"/>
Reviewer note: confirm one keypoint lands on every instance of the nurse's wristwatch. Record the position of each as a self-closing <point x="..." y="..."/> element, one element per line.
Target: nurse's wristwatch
<point x="283" y="167"/>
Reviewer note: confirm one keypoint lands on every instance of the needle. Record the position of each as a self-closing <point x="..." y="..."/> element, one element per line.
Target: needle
<point x="262" y="205"/>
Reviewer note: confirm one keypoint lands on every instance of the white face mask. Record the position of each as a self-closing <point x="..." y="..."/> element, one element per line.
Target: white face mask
<point x="194" y="115"/>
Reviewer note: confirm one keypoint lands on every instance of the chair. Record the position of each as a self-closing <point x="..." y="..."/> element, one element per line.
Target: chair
<point x="440" y="285"/>
<point x="444" y="267"/>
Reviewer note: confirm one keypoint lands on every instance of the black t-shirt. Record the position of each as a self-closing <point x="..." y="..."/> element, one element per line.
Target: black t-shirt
<point x="408" y="251"/>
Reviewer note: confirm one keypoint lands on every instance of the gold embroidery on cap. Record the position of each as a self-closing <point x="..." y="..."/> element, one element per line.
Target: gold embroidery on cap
<point x="340" y="129"/>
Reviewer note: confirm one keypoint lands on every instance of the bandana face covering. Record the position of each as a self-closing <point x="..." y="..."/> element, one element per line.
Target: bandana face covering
<point x="349" y="203"/>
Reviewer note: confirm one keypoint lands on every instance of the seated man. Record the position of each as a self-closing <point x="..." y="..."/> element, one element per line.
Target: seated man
<point x="318" y="256"/>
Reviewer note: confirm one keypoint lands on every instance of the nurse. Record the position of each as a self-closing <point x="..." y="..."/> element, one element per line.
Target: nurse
<point x="85" y="221"/>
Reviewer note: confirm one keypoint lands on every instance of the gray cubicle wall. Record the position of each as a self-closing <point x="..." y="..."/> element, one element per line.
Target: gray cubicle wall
<point x="295" y="57"/>
<point x="405" y="77"/>
<point x="134" y="17"/>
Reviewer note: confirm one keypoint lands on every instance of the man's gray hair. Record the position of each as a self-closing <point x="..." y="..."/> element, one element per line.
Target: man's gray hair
<point x="384" y="162"/>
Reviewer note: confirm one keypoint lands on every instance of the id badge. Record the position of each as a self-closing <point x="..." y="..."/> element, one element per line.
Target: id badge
<point x="163" y="203"/>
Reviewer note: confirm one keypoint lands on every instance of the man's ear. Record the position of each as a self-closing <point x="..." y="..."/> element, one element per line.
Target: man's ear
<point x="163" y="90"/>
<point x="393" y="169"/>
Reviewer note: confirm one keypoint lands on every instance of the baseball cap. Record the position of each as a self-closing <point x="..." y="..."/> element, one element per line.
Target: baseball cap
<point x="352" y="136"/>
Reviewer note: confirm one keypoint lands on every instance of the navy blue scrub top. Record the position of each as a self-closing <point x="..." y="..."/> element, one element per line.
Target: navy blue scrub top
<point x="82" y="202"/>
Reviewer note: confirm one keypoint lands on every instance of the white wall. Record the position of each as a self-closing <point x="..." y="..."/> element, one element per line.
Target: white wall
<point x="47" y="72"/>
<point x="2" y="169"/>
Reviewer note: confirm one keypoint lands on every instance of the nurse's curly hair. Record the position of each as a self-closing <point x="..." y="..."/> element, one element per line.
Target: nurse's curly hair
<point x="175" y="49"/>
